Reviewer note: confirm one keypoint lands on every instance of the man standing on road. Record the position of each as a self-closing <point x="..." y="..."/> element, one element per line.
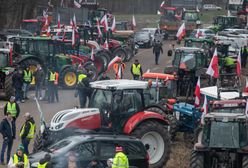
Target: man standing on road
<point x="120" y="159"/>
<point x="7" y="129"/>
<point x="19" y="159"/>
<point x="83" y="87"/>
<point x="156" y="50"/>
<point x="17" y="83"/>
<point x="39" y="78"/>
<point x="56" y="86"/>
<point x="13" y="108"/>
<point x="136" y="70"/>
<point x="27" y="79"/>
<point x="51" y="76"/>
<point x="27" y="131"/>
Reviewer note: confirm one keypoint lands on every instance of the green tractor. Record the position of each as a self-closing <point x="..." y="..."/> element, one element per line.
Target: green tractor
<point x="224" y="22"/>
<point x="6" y="72"/>
<point x="223" y="140"/>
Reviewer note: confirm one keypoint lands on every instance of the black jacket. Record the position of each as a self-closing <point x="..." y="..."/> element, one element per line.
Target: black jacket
<point x="27" y="127"/>
<point x="5" y="129"/>
<point x="17" y="109"/>
<point x="49" y="164"/>
<point x="17" y="80"/>
<point x="39" y="76"/>
<point x="157" y="48"/>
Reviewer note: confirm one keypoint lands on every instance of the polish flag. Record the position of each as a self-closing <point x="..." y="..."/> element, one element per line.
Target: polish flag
<point x="197" y="93"/>
<point x="48" y="31"/>
<point x="246" y="86"/>
<point x="213" y="69"/>
<point x="74" y="22"/>
<point x="205" y="109"/>
<point x="162" y="4"/>
<point x="46" y="21"/>
<point x="76" y="4"/>
<point x="104" y="22"/>
<point x="58" y="21"/>
<point x="71" y="23"/>
<point x="119" y="74"/>
<point x="113" y="61"/>
<point x="198" y="33"/>
<point x="133" y="22"/>
<point x="92" y="57"/>
<point x="238" y="66"/>
<point x="197" y="9"/>
<point x="181" y="32"/>
<point x="98" y="28"/>
<point x="113" y="27"/>
<point x="105" y="45"/>
<point x="73" y="38"/>
<point x="246" y="108"/>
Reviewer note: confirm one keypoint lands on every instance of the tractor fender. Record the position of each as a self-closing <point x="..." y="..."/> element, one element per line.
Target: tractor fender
<point x="159" y="106"/>
<point x="88" y="63"/>
<point x="141" y="117"/>
<point x="65" y="67"/>
<point x="30" y="57"/>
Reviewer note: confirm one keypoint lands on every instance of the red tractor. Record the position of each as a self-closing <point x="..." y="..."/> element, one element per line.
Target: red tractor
<point x="118" y="106"/>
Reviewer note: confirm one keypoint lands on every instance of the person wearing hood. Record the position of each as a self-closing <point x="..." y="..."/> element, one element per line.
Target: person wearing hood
<point x="45" y="162"/>
<point x="27" y="131"/>
<point x="19" y="159"/>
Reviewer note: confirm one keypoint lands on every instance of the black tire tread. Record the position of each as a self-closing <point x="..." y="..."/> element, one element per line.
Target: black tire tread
<point x="9" y="90"/>
<point x="245" y="161"/>
<point x="196" y="159"/>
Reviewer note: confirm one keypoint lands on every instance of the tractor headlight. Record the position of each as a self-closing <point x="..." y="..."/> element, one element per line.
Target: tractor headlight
<point x="198" y="22"/>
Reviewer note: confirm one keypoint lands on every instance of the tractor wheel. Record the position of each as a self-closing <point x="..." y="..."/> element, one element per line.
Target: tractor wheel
<point x="156" y="138"/>
<point x="8" y="89"/>
<point x="196" y="160"/>
<point x="245" y="161"/>
<point x="130" y="54"/>
<point x="172" y="119"/>
<point x="68" y="78"/>
<point x="120" y="52"/>
<point x="92" y="68"/>
<point x="38" y="142"/>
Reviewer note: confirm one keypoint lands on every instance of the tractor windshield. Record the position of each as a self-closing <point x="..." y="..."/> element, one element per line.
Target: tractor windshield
<point x="3" y="59"/>
<point x="102" y="99"/>
<point x="197" y="44"/>
<point x="191" y="16"/>
<point x="184" y="60"/>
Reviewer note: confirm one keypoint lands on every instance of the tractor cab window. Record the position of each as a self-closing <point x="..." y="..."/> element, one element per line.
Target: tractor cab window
<point x="184" y="60"/>
<point x="102" y="99"/>
<point x="4" y="59"/>
<point x="190" y="16"/>
<point x="43" y="47"/>
<point x="150" y="96"/>
<point x="131" y="101"/>
<point x="200" y="59"/>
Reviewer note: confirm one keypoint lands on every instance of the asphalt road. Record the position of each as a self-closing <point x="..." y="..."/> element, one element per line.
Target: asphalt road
<point x="67" y="99"/>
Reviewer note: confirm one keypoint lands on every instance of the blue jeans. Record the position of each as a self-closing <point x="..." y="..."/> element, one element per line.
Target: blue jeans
<point x="6" y="143"/>
<point x="25" y="89"/>
<point x="38" y="90"/>
<point x="82" y="98"/>
<point x="18" y="94"/>
<point x="157" y="54"/>
<point x="25" y="143"/>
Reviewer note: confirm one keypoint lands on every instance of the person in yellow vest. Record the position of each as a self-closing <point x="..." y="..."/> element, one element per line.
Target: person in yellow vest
<point x="120" y="160"/>
<point x="19" y="159"/>
<point x="56" y="85"/>
<point x="45" y="162"/>
<point x="12" y="107"/>
<point x="229" y="64"/>
<point x="51" y="76"/>
<point x="27" y="79"/>
<point x="27" y="131"/>
<point x="136" y="70"/>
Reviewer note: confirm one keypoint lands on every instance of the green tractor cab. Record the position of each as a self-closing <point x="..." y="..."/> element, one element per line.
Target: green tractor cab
<point x="224" y="22"/>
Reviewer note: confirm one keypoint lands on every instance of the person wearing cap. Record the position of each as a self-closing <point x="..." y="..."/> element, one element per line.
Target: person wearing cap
<point x="45" y="162"/>
<point x="136" y="70"/>
<point x="7" y="129"/>
<point x="119" y="68"/>
<point x="27" y="131"/>
<point x="120" y="159"/>
<point x="19" y="159"/>
<point x="27" y="79"/>
<point x="83" y="87"/>
<point x="95" y="164"/>
<point x="12" y="107"/>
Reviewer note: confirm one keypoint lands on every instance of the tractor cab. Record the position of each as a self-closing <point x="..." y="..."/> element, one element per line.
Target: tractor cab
<point x="224" y="22"/>
<point x="190" y="16"/>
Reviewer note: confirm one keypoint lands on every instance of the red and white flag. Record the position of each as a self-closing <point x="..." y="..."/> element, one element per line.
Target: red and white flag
<point x="197" y="93"/>
<point x="133" y="22"/>
<point x="98" y="28"/>
<point x="58" y="21"/>
<point x="198" y="33"/>
<point x="181" y="32"/>
<point x="113" y="27"/>
<point x="104" y="22"/>
<point x="119" y="74"/>
<point x="74" y="22"/>
<point x="238" y="66"/>
<point x="213" y="69"/>
<point x="76" y="4"/>
<point x="92" y="57"/>
<point x="71" y="23"/>
<point x="246" y="108"/>
<point x="246" y="86"/>
<point x="162" y="4"/>
<point x="105" y="45"/>
<point x="73" y="38"/>
<point x="205" y="109"/>
<point x="113" y="61"/>
<point x="197" y="9"/>
<point x="48" y="33"/>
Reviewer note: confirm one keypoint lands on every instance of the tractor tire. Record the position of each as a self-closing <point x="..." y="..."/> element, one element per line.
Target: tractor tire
<point x="68" y="78"/>
<point x="245" y="161"/>
<point x="171" y="118"/>
<point x="130" y="54"/>
<point x="196" y="160"/>
<point x="8" y="89"/>
<point x="92" y="68"/>
<point x="38" y="142"/>
<point x="120" y="52"/>
<point x="155" y="136"/>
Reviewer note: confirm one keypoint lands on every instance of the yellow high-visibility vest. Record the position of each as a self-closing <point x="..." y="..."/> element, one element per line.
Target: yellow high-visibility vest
<point x="27" y="76"/>
<point x="16" y="160"/>
<point x="136" y="69"/>
<point x="11" y="107"/>
<point x="120" y="161"/>
<point x="42" y="165"/>
<point x="31" y="130"/>
<point x="52" y="76"/>
<point x="81" y="77"/>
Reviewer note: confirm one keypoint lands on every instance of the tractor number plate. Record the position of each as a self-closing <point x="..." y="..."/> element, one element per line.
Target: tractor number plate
<point x="177" y="115"/>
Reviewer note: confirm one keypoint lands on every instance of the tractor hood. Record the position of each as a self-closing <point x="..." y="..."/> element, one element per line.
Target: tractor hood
<point x="82" y="118"/>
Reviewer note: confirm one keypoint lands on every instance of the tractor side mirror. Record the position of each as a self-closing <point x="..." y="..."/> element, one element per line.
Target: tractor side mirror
<point x="169" y="53"/>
